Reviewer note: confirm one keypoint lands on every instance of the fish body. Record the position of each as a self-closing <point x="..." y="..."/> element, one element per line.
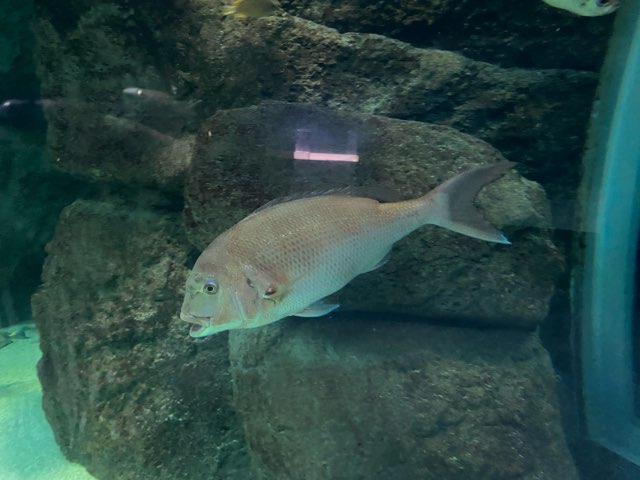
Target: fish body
<point x="285" y="259"/>
<point x="251" y="8"/>
<point x="24" y="113"/>
<point x="586" y="8"/>
<point x="147" y="95"/>
<point x="6" y="338"/>
<point x="20" y="334"/>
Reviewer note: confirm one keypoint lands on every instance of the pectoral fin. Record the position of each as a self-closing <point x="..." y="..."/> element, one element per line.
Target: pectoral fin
<point x="382" y="261"/>
<point x="317" y="309"/>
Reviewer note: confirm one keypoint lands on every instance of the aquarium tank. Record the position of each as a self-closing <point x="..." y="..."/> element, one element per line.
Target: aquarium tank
<point x="319" y="240"/>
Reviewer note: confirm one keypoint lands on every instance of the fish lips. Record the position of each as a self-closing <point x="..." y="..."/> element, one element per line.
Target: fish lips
<point x="203" y="326"/>
<point x="198" y="324"/>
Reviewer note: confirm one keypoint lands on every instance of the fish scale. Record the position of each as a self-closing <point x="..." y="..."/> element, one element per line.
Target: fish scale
<point x="332" y="236"/>
<point x="284" y="259"/>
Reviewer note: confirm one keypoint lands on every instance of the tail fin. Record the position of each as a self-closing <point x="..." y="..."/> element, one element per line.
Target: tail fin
<point x="451" y="203"/>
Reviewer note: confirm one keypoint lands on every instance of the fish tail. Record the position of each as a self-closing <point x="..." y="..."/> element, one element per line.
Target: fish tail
<point x="450" y="205"/>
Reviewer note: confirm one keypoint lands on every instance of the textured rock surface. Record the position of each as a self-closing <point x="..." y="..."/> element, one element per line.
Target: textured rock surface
<point x="128" y="395"/>
<point x="537" y="117"/>
<point x="527" y="34"/>
<point x="88" y="55"/>
<point x="244" y="159"/>
<point x="347" y="400"/>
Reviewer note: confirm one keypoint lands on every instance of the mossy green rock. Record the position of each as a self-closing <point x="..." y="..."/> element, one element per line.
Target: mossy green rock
<point x="127" y="393"/>
<point x="344" y="399"/>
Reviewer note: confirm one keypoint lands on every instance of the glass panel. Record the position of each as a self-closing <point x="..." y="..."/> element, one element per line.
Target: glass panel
<point x="319" y="240"/>
<point x="636" y="333"/>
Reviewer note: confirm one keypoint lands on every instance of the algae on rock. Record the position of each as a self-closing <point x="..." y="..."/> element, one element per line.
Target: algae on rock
<point x="343" y="399"/>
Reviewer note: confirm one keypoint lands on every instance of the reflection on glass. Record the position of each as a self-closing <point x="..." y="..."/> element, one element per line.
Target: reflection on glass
<point x="311" y="145"/>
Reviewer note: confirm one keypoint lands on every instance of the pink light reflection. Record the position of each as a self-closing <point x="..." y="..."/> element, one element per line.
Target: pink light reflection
<point x="325" y="156"/>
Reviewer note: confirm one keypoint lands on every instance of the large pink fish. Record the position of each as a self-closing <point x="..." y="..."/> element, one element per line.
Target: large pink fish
<point x="285" y="259"/>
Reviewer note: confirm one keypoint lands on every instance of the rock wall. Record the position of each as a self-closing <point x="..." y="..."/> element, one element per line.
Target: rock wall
<point x="127" y="395"/>
<point x="344" y="399"/>
<point x="533" y="35"/>
<point x="96" y="49"/>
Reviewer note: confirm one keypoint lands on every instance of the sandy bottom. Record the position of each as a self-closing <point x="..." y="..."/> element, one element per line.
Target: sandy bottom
<point x="28" y="450"/>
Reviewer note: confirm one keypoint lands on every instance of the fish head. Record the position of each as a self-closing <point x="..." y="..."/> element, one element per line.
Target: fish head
<point x="217" y="299"/>
<point x="603" y="7"/>
<point x="586" y="8"/>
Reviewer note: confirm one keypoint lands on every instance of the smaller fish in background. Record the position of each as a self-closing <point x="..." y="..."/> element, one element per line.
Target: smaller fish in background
<point x="6" y="338"/>
<point x="586" y="8"/>
<point x="20" y="334"/>
<point x="150" y="96"/>
<point x="147" y="94"/>
<point x="251" y="8"/>
<point x="158" y="110"/>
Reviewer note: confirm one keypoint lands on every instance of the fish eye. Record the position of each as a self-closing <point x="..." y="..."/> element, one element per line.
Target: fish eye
<point x="210" y="287"/>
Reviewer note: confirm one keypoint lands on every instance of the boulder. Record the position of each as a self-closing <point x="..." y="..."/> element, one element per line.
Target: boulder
<point x="527" y="35"/>
<point x="376" y="399"/>
<point x="87" y="55"/>
<point x="90" y="54"/>
<point x="244" y="158"/>
<point x="127" y="393"/>
<point x="535" y="116"/>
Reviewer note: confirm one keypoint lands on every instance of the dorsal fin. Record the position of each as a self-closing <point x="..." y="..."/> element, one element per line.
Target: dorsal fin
<point x="379" y="193"/>
<point x="300" y="195"/>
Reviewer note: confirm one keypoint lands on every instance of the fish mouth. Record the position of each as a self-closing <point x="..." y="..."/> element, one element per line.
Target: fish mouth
<point x="197" y="323"/>
<point x="195" y="329"/>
